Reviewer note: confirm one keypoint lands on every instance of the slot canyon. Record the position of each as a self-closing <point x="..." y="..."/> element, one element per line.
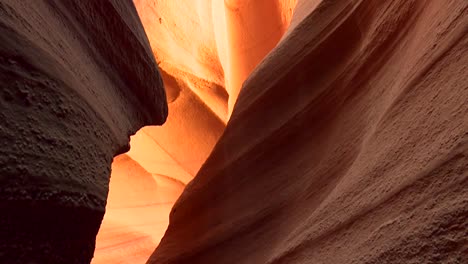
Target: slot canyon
<point x="233" y="131"/>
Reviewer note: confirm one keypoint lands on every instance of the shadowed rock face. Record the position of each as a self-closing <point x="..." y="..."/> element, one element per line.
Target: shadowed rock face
<point x="77" y="79"/>
<point x="347" y="144"/>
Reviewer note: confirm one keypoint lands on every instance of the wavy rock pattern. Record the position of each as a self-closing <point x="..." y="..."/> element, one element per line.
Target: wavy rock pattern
<point x="77" y="79"/>
<point x="348" y="144"/>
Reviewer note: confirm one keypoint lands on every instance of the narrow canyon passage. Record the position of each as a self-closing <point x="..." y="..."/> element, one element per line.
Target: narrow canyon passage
<point x="233" y="131"/>
<point x="205" y="50"/>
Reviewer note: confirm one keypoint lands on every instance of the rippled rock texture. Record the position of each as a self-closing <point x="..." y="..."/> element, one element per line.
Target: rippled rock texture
<point x="77" y="79"/>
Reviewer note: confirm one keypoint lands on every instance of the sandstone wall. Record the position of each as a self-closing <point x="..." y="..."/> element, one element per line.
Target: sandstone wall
<point x="348" y="144"/>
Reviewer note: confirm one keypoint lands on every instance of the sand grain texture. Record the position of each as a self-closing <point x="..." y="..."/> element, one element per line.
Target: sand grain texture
<point x="77" y="79"/>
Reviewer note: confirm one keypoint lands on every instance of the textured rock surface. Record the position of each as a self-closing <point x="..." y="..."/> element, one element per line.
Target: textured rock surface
<point x="77" y="79"/>
<point x="348" y="144"/>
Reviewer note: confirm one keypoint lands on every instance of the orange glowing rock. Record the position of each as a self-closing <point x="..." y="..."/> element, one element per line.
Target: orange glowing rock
<point x="137" y="208"/>
<point x="253" y="29"/>
<point x="205" y="50"/>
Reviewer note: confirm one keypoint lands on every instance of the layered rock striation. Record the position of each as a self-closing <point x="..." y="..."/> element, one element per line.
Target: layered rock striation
<point x="347" y="144"/>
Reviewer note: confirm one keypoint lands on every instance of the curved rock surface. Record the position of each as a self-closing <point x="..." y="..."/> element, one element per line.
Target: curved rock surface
<point x="77" y="79"/>
<point x="204" y="58"/>
<point x="348" y="144"/>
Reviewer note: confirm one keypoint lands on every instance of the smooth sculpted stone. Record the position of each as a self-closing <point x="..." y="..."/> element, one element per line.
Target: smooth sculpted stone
<point x="77" y="79"/>
<point x="202" y="52"/>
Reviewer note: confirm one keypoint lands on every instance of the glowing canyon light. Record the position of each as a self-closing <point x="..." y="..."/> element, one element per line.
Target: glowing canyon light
<point x="205" y="50"/>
